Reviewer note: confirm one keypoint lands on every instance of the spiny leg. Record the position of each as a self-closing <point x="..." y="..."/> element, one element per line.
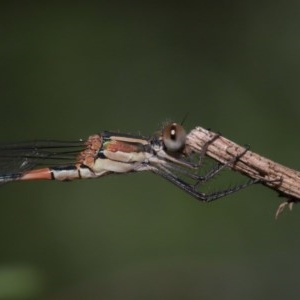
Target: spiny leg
<point x="219" y="194"/>
<point x="216" y="168"/>
<point x="170" y="167"/>
<point x="219" y="167"/>
<point x="204" y="149"/>
<point x="165" y="173"/>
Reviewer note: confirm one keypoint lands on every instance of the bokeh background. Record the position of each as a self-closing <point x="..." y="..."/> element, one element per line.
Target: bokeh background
<point x="69" y="70"/>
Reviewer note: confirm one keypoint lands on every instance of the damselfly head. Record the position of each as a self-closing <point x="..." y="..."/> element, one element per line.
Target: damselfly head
<point x="173" y="137"/>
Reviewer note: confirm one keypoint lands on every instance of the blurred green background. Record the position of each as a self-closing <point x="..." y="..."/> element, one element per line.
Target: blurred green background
<point x="71" y="70"/>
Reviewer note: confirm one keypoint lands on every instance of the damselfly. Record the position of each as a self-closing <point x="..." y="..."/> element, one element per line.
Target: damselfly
<point x="110" y="153"/>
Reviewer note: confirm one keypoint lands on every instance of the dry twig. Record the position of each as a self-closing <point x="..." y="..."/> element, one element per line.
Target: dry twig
<point x="273" y="175"/>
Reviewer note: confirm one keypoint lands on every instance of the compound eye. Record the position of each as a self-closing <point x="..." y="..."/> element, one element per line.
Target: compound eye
<point x="173" y="136"/>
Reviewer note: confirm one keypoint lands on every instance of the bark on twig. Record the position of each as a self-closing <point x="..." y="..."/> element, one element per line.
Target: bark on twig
<point x="277" y="177"/>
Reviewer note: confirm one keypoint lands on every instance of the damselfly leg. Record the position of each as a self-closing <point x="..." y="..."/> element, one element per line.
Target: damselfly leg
<point x="168" y="172"/>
